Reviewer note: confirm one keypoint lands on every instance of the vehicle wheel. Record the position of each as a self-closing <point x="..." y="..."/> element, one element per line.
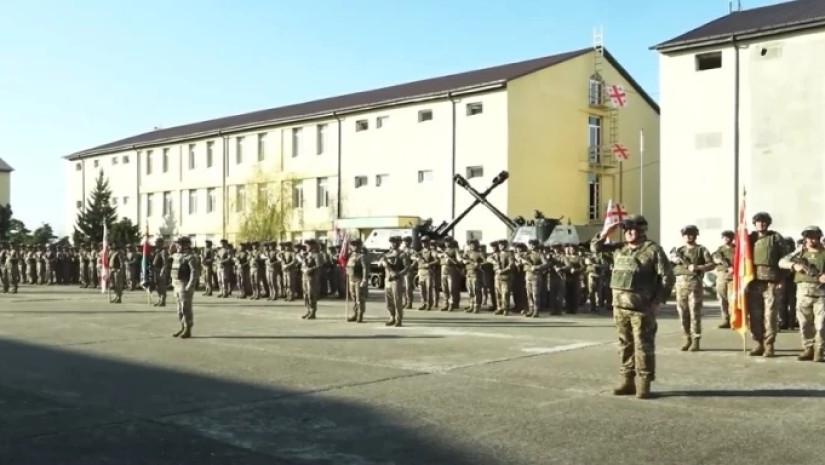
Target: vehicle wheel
<point x="376" y="281"/>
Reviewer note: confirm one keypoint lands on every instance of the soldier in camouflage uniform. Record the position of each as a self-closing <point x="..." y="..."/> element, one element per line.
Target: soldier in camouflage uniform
<point x="208" y="268"/>
<point x="10" y="261"/>
<point x="409" y="278"/>
<point x="397" y="265"/>
<point x="594" y="270"/>
<point x="161" y="269"/>
<point x="358" y="267"/>
<point x="273" y="271"/>
<point x="642" y="280"/>
<point x="290" y="271"/>
<point x="808" y="266"/>
<point x="117" y="272"/>
<point x="763" y="292"/>
<point x="503" y="266"/>
<point x="450" y="275"/>
<point x="472" y="260"/>
<point x="184" y="270"/>
<point x="426" y="260"/>
<point x="311" y="262"/>
<point x="690" y="261"/>
<point x="535" y="265"/>
<point x="723" y="258"/>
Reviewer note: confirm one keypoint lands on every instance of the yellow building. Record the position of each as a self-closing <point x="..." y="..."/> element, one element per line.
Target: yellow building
<point x="378" y="158"/>
<point x="5" y="182"/>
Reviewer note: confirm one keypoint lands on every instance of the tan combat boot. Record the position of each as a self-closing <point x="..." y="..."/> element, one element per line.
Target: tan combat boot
<point x="626" y="387"/>
<point x="642" y="388"/>
<point x="806" y="355"/>
<point x="758" y="350"/>
<point x="769" y="352"/>
<point x="686" y="345"/>
<point x="187" y="333"/>
<point x="819" y="356"/>
<point x="179" y="332"/>
<point x="694" y="347"/>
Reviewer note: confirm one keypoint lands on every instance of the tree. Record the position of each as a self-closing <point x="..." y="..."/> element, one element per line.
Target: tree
<point x="124" y="232"/>
<point x="42" y="235"/>
<point x="99" y="211"/>
<point x="5" y="222"/>
<point x="18" y="232"/>
<point x="267" y="211"/>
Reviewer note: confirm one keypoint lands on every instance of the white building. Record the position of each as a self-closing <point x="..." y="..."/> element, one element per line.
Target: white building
<point x="744" y="108"/>
<point x="376" y="159"/>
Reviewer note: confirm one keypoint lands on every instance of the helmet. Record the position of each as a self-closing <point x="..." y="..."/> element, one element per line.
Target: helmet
<point x="728" y="234"/>
<point x="395" y="239"/>
<point x="690" y="230"/>
<point x="184" y="240"/>
<point x="812" y="231"/>
<point x="637" y="222"/>
<point x="408" y="239"/>
<point x="534" y="242"/>
<point x="763" y="217"/>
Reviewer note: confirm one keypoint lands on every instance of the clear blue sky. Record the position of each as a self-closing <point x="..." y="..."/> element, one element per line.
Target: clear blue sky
<point x="76" y="74"/>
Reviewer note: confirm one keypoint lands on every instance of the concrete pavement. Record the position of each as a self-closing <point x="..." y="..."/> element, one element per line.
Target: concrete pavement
<point x="86" y="382"/>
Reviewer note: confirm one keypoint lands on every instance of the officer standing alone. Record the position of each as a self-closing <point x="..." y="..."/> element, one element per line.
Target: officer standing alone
<point x="184" y="274"/>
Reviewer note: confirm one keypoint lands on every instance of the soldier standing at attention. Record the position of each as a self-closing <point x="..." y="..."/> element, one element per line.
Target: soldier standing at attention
<point x="4" y="254"/>
<point x="160" y="265"/>
<point x="358" y="265"/>
<point x="763" y="291"/>
<point x="289" y="268"/>
<point x="535" y="264"/>
<point x="426" y="261"/>
<point x="450" y="276"/>
<point x="117" y="272"/>
<point x="396" y="264"/>
<point x="273" y="271"/>
<point x="11" y="269"/>
<point x="808" y="265"/>
<point x="208" y="264"/>
<point x="311" y="263"/>
<point x="642" y="280"/>
<point x="690" y="261"/>
<point x="473" y="259"/>
<point x="256" y="270"/>
<point x="503" y="265"/>
<point x="184" y="270"/>
<point x="409" y="278"/>
<point x="723" y="258"/>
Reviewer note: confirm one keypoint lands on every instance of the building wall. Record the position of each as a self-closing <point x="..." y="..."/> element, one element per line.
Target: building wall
<point x="118" y="168"/>
<point x="549" y="138"/>
<point x="782" y="145"/>
<point x="5" y="189"/>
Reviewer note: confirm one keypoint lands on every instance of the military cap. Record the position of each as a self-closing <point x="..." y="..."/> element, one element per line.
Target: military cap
<point x="207" y="242"/>
<point x="224" y="241"/>
<point x="158" y="240"/>
<point x="183" y="240"/>
<point x="534" y="242"/>
<point x="634" y="222"/>
<point x="812" y="231"/>
<point x="395" y="239"/>
<point x="690" y="230"/>
<point x="729" y="234"/>
<point x="407" y="238"/>
<point x="763" y="217"/>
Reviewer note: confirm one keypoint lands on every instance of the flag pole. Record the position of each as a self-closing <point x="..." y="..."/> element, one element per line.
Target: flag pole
<point x="641" y="171"/>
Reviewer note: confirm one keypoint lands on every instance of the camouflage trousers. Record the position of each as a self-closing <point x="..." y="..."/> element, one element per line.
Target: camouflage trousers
<point x="503" y="293"/>
<point x="10" y="278"/>
<point x="637" y="342"/>
<point x="723" y="290"/>
<point x="184" y="300"/>
<point x="394" y="298"/>
<point x="426" y="286"/>
<point x="358" y="294"/>
<point x="275" y="281"/>
<point x="534" y="285"/>
<point x="409" y="289"/>
<point x="450" y="282"/>
<point x="763" y="310"/>
<point x="689" y="294"/>
<point x="555" y="294"/>
<point x="474" y="290"/>
<point x="312" y="288"/>
<point x="810" y="312"/>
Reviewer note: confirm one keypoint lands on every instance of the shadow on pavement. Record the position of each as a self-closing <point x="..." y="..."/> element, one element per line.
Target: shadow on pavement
<point x="64" y="407"/>
<point x="370" y="336"/>
<point x="817" y="393"/>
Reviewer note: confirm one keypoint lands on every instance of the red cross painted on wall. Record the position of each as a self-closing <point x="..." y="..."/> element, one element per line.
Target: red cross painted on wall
<point x="620" y="151"/>
<point x="617" y="95"/>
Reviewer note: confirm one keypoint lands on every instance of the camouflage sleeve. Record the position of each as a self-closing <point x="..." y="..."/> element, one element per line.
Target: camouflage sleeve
<point x="707" y="260"/>
<point x="787" y="262"/>
<point x="666" y="277"/>
<point x="194" y="273"/>
<point x="598" y="245"/>
<point x="365" y="265"/>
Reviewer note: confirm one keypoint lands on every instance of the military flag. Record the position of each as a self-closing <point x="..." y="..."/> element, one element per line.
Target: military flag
<point x="343" y="251"/>
<point x="742" y="274"/>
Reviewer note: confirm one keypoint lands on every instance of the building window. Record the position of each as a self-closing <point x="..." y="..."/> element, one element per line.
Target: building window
<point x="114" y="200"/>
<point x="298" y="194"/>
<point x="148" y="162"/>
<point x="593" y="197"/>
<point x="167" y="204"/>
<point x="296" y="142"/>
<point x="321" y="193"/>
<point x="705" y="61"/>
<point x="165" y="161"/>
<point x="424" y="176"/>
<point x="191" y="156"/>
<point x="193" y="201"/>
<point x="261" y="147"/>
<point x="381" y="179"/>
<point x="78" y="167"/>
<point x="596" y="92"/>
<point x="474" y="236"/>
<point x="239" y="150"/>
<point x="210" y="152"/>
<point x="150" y="199"/>
<point x="97" y="163"/>
<point x="475" y="172"/>
<point x="362" y="125"/>
<point x="78" y="204"/>
<point x="320" y="139"/>
<point x="240" y="199"/>
<point x="380" y="121"/>
<point x="114" y="160"/>
<point x="125" y="200"/>
<point x="126" y="159"/>
<point x="425" y="115"/>
<point x="594" y="138"/>
<point x="210" y="200"/>
<point x="360" y="181"/>
<point x="475" y="108"/>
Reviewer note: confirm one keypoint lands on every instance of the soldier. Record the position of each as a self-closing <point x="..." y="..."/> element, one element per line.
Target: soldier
<point x="133" y="262"/>
<point x="161" y="270"/>
<point x="4" y="253"/>
<point x="396" y="264"/>
<point x="472" y="260"/>
<point x="183" y="271"/>
<point x="11" y="269"/>
<point x="273" y="271"/>
<point x="226" y="263"/>
<point x="450" y="275"/>
<point x="426" y="261"/>
<point x="289" y="267"/>
<point x="723" y="258"/>
<point x="409" y="278"/>
<point x="310" y="263"/>
<point x="535" y="264"/>
<point x="518" y="285"/>
<point x="594" y="270"/>
<point x="808" y="266"/>
<point x="117" y="272"/>
<point x="503" y="265"/>
<point x="243" y="260"/>
<point x="642" y="280"/>
<point x="573" y="266"/>
<point x="358" y="266"/>
<point x="787" y="306"/>
<point x="555" y="279"/>
<point x="763" y="292"/>
<point x="690" y="261"/>
<point x="257" y="273"/>
<point x="208" y="268"/>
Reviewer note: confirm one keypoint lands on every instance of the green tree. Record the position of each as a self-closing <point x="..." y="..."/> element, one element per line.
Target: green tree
<point x="5" y="222"/>
<point x="99" y="211"/>
<point x="124" y="232"/>
<point x="266" y="210"/>
<point x="42" y="235"/>
<point x="18" y="232"/>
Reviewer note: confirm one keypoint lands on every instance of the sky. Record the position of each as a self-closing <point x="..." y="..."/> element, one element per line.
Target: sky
<point x="81" y="73"/>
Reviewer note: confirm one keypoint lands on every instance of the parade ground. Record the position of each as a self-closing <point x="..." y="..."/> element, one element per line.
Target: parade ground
<point x="87" y="382"/>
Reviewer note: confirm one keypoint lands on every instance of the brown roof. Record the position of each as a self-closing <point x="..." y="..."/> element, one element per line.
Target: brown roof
<point x="5" y="167"/>
<point x="435" y="87"/>
<point x="761" y="21"/>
